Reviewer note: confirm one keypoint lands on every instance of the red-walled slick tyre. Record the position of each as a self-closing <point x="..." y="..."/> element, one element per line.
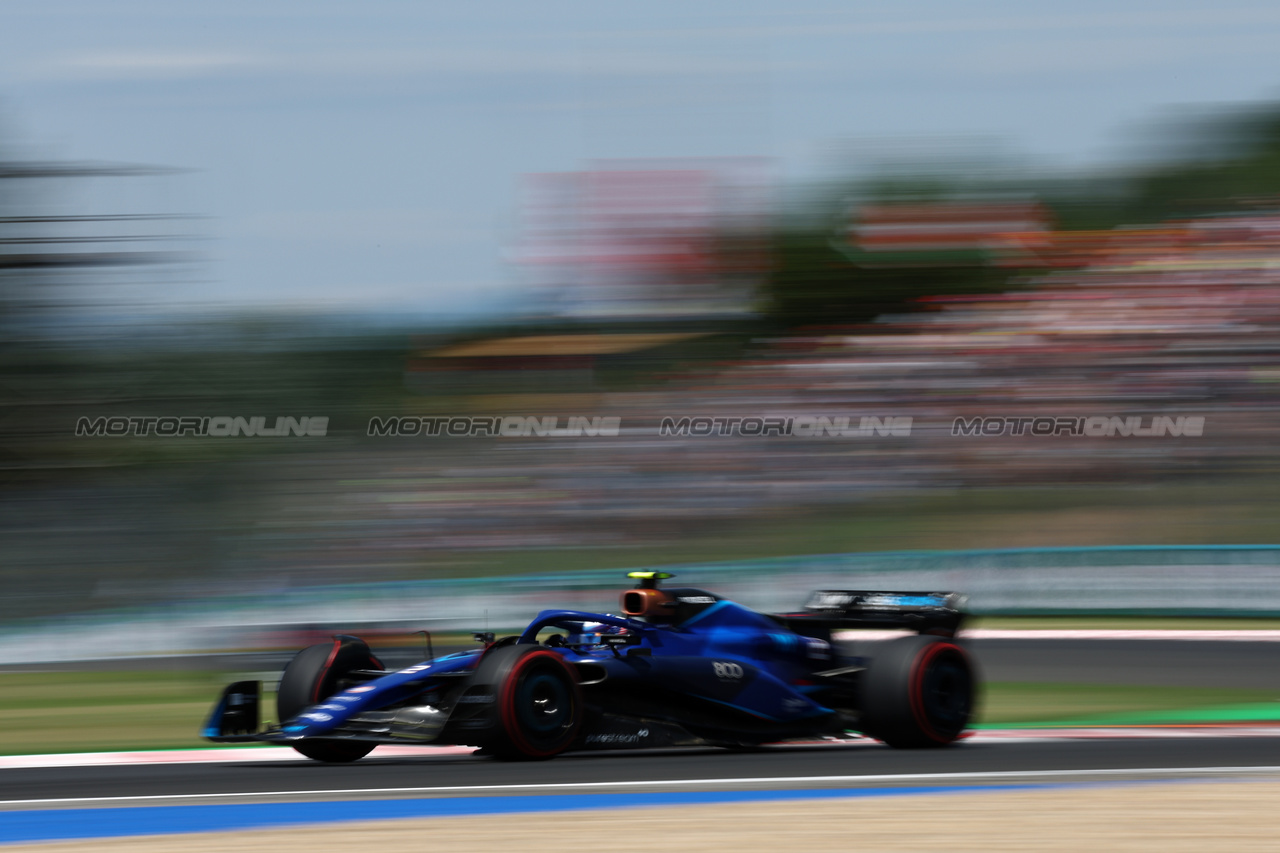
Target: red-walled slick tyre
<point x="918" y="692"/>
<point x="537" y="708"/>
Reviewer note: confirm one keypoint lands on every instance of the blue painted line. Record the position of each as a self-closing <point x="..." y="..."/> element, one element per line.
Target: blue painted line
<point x="70" y="824"/>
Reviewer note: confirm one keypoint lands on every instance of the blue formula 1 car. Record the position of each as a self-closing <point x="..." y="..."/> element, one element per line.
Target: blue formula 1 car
<point x="680" y="667"/>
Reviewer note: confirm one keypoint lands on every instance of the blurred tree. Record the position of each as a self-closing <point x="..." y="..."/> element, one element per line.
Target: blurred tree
<point x="814" y="283"/>
<point x="1194" y="165"/>
<point x="820" y="277"/>
<point x="1219" y="163"/>
<point x="1235" y="164"/>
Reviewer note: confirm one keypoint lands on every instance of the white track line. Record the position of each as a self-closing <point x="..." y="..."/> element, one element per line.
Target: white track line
<point x="1158" y="772"/>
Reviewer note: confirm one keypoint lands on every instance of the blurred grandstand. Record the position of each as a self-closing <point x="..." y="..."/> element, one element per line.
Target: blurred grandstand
<point x="1006" y="312"/>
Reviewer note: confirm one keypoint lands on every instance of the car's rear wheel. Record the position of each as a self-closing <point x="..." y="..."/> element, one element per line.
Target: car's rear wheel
<point x="918" y="692"/>
<point x="537" y="704"/>
<point x="314" y="674"/>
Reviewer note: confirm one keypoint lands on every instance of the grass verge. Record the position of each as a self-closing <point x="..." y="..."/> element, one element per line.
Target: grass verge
<point x="1007" y="704"/>
<point x="44" y="712"/>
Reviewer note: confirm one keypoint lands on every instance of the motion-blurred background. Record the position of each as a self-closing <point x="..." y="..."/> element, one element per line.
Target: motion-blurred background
<point x="739" y="211"/>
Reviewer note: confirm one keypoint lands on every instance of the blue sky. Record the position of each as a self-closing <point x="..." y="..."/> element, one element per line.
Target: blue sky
<point x="367" y="155"/>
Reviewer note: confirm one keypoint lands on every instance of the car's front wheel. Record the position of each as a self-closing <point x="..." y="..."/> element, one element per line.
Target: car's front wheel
<point x="315" y="674"/>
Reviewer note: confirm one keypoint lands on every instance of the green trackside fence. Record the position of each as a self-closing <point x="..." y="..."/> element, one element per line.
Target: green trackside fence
<point x="1214" y="580"/>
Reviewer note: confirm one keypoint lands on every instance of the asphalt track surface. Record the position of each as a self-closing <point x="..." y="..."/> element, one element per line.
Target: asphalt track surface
<point x="1189" y="663"/>
<point x="800" y="767"/>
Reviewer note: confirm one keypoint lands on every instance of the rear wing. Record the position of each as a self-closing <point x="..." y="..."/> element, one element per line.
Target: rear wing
<point x="846" y="609"/>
